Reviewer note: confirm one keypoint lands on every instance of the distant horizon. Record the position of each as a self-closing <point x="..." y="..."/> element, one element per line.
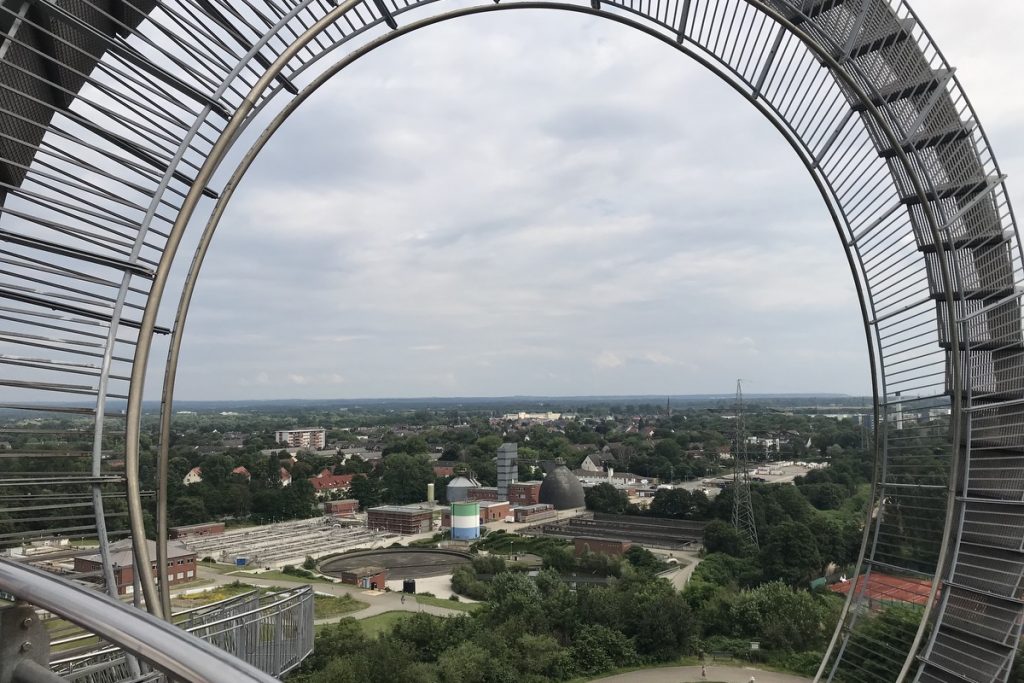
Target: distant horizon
<point x="543" y="397"/>
<point x="536" y="399"/>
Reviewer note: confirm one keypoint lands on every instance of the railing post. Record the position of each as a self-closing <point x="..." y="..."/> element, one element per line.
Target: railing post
<point x="24" y="647"/>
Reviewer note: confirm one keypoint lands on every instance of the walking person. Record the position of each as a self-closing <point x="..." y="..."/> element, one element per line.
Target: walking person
<point x="703" y="672"/>
<point x="403" y="598"/>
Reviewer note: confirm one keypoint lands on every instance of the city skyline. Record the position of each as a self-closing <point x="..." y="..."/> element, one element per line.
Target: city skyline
<point x="656" y="240"/>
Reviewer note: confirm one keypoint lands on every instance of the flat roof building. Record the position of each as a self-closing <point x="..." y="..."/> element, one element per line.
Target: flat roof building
<point x="483" y="493"/>
<point x="602" y="546"/>
<point x="400" y="519"/>
<point x="197" y="530"/>
<point x="314" y="438"/>
<point x="374" y="578"/>
<point x="494" y="511"/>
<point x="524" y="492"/>
<point x="534" y="513"/>
<point x="181" y="564"/>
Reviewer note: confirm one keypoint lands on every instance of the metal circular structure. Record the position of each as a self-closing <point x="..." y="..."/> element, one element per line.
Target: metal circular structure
<point x="561" y="489"/>
<point x="465" y="520"/>
<point x="119" y="117"/>
<point x="401" y="563"/>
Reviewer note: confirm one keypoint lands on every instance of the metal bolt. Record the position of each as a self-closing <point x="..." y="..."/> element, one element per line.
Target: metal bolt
<point x="26" y="647"/>
<point x="26" y="623"/>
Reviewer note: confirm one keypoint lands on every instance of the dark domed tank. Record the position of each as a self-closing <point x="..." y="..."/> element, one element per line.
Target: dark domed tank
<point x="562" y="489"/>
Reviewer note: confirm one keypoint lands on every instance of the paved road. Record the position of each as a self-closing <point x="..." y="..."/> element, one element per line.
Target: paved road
<point x="681" y="576"/>
<point x="686" y="674"/>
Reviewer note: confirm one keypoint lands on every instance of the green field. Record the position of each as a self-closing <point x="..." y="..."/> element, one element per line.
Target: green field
<point x="213" y="595"/>
<point x="449" y="604"/>
<point x="217" y="567"/>
<point x="325" y="606"/>
<point x="373" y="626"/>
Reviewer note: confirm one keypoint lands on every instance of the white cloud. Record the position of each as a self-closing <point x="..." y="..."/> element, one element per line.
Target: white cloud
<point x="502" y="204"/>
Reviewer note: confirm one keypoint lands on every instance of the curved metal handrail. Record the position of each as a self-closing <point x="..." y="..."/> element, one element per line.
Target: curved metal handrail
<point x="166" y="647"/>
<point x="954" y="226"/>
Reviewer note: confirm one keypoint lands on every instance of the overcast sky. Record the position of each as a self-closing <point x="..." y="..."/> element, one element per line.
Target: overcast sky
<point x="549" y="204"/>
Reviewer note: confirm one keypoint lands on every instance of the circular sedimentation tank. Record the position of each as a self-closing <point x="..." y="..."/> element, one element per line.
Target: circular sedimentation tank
<point x="401" y="563"/>
<point x="562" y="489"/>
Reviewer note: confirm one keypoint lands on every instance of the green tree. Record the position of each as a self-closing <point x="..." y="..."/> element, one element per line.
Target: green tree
<point x="188" y="510"/>
<point x="334" y="641"/>
<point x="643" y="559"/>
<point x="606" y="498"/>
<point x="368" y="491"/>
<point x="515" y="596"/>
<point x="405" y="478"/>
<point x="465" y="663"/>
<point x="596" y="649"/>
<point x="789" y="553"/>
<point x="786" y="619"/>
<point x="721" y="537"/>
<point x="895" y="626"/>
<point x="217" y="471"/>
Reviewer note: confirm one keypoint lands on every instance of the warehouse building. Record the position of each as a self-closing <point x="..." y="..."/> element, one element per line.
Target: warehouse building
<point x="181" y="564"/>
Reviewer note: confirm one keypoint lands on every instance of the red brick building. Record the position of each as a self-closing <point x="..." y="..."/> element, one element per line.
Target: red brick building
<point x="197" y="530"/>
<point x="326" y="483"/>
<point x="601" y="546"/>
<point x="524" y="492"/>
<point x="494" y="511"/>
<point x="535" y="513"/>
<point x="181" y="564"/>
<point x="366" y="577"/>
<point x="483" y="493"/>
<point x="342" y="508"/>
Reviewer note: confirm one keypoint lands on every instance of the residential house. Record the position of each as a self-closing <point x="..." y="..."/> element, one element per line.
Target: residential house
<point x="194" y="476"/>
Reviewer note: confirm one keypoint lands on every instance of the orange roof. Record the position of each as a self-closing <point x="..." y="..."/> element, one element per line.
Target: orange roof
<point x="330" y="481"/>
<point x="889" y="588"/>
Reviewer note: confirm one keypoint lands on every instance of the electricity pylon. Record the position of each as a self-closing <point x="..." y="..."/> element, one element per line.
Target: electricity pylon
<point x="742" y="508"/>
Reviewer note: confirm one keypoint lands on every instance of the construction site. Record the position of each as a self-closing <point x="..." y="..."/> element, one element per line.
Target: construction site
<point x="275" y="545"/>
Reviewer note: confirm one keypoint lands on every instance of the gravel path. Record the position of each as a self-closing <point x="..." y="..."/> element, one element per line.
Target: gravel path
<point x="686" y="674"/>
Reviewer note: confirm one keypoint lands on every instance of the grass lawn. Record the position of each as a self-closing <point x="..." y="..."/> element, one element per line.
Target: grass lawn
<point x="853" y="507"/>
<point x="373" y="626"/>
<point x="325" y="606"/>
<point x="280" y="576"/>
<point x="213" y="595"/>
<point x="84" y="642"/>
<point x="217" y="567"/>
<point x="60" y="629"/>
<point x="449" y="604"/>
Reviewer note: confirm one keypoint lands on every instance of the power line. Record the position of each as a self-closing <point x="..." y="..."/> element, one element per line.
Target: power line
<point x="742" y="508"/>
